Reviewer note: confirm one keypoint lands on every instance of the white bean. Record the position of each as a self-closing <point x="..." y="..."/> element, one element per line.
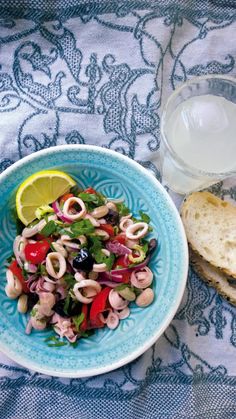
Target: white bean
<point x="92" y="220"/>
<point x="52" y="259"/>
<point x="22" y="304"/>
<point x="111" y="205"/>
<point x="67" y="209"/>
<point x="145" y="298"/>
<point x="99" y="267"/>
<point x="127" y="294"/>
<point x="100" y="212"/>
<point x="123" y="314"/>
<point x="140" y="229"/>
<point x="103" y="234"/>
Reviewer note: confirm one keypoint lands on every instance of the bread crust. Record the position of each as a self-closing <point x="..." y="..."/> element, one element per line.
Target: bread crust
<point x="222" y="210"/>
<point x="214" y="277"/>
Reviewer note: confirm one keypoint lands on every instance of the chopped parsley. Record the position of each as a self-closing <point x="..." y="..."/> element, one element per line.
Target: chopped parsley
<point x="96" y="251"/>
<point x="144" y="217"/>
<point x="79" y="228"/>
<point x="78" y="320"/>
<point x="75" y="190"/>
<point x="95" y="198"/>
<point x="33" y="312"/>
<point x="50" y="228"/>
<point x="10" y="258"/>
<point x="69" y="280"/>
<point x="67" y="304"/>
<point x="55" y="342"/>
<point x="122" y="209"/>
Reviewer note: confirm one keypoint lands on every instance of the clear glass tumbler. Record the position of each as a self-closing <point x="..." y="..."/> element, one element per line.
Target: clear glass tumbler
<point x="198" y="134"/>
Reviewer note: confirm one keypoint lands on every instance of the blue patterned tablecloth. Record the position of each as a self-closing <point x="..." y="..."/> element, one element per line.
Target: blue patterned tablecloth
<point x="98" y="72"/>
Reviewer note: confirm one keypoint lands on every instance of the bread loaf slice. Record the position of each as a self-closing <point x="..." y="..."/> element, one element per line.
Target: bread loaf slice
<point x="214" y="277"/>
<point x="210" y="226"/>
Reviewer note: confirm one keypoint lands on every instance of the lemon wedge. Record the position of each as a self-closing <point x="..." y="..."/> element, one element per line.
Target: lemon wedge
<point x="41" y="188"/>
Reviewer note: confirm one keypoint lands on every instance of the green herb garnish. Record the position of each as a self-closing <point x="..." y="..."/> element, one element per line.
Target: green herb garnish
<point x="10" y="258"/>
<point x="96" y="251"/>
<point x="43" y="211"/>
<point x="41" y="270"/>
<point x="116" y="230"/>
<point x="79" y="228"/>
<point x="144" y="217"/>
<point x="87" y="333"/>
<point x="67" y="304"/>
<point x="33" y="312"/>
<point x="144" y="244"/>
<point x="96" y="244"/>
<point x="56" y="342"/>
<point x="75" y="190"/>
<point x="78" y="320"/>
<point x="121" y="287"/>
<point x="95" y="198"/>
<point x="74" y="344"/>
<point x="50" y="228"/>
<point x="109" y="260"/>
<point x="122" y="209"/>
<point x="24" y="272"/>
<point x="69" y="280"/>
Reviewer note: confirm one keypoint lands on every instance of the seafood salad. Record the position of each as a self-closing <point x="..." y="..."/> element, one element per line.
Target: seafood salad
<point x="79" y="265"/>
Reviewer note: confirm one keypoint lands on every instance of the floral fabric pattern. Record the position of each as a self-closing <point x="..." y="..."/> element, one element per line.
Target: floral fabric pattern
<point x="99" y="73"/>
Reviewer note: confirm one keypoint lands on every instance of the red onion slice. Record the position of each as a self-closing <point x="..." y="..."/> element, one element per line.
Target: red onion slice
<point x="119" y="249"/>
<point x="114" y="277"/>
<point x="104" y="281"/>
<point x="56" y="207"/>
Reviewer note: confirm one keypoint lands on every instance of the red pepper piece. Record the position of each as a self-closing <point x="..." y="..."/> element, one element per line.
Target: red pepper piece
<point x="17" y="272"/>
<point x="121" y="238"/>
<point x="124" y="262"/>
<point x="121" y="261"/>
<point x="108" y="228"/>
<point x="90" y="190"/>
<point x="36" y="252"/>
<point x="84" y="324"/>
<point x="99" y="305"/>
<point x="65" y="197"/>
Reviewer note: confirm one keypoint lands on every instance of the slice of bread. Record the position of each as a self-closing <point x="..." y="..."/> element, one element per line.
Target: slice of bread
<point x="210" y="226"/>
<point x="225" y="285"/>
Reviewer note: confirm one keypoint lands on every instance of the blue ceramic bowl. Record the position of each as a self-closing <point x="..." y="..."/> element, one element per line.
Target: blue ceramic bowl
<point x="115" y="176"/>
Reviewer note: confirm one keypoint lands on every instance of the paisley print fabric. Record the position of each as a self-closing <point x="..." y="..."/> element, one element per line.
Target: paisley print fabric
<point x="80" y="72"/>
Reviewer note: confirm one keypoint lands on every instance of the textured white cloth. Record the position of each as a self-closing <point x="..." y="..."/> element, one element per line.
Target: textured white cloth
<point x="100" y="74"/>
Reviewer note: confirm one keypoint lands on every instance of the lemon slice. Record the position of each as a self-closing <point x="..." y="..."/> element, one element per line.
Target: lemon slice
<point x="42" y="188"/>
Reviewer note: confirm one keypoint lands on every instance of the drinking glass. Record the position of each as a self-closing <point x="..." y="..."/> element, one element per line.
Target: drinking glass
<point x="206" y="153"/>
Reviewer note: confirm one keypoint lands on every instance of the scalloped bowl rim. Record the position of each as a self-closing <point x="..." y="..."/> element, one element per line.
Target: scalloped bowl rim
<point x="185" y="262"/>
